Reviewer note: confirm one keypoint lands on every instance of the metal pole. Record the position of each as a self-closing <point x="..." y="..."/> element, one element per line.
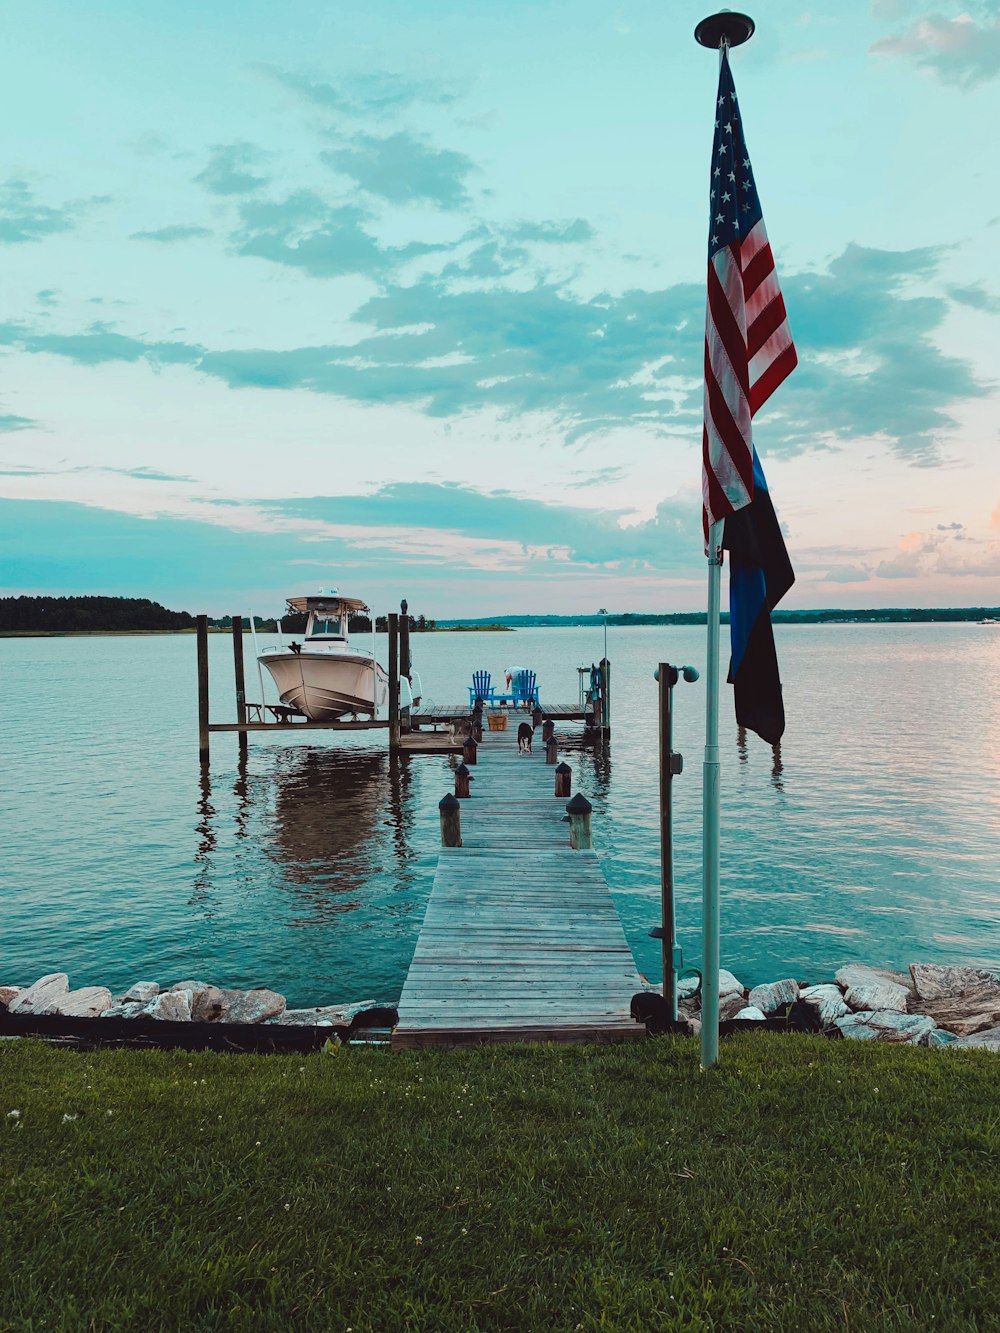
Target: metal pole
<point x="710" y="815"/>
<point x="668" y="923"/>
<point x="256" y="653"/>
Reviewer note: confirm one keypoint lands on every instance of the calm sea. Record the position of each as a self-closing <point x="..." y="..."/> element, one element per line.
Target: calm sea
<point x="874" y="836"/>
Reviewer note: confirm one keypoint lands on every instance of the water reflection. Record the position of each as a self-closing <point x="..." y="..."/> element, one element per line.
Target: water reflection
<point x="207" y="839"/>
<point x="328" y="822"/>
<point x="777" y="767"/>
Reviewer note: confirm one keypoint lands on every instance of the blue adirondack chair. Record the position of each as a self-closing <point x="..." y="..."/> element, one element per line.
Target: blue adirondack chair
<point x="481" y="688"/>
<point x="524" y="688"/>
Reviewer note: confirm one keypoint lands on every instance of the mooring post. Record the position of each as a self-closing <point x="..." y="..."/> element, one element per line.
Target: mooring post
<point x="202" y="633"/>
<point x="451" y="821"/>
<point x="548" y="730"/>
<point x="536" y="717"/>
<point x="462" y="779"/>
<point x="564" y="780"/>
<point x="579" y="810"/>
<point x="469" y="748"/>
<point x="477" y="721"/>
<point x="605" y="697"/>
<point x="404" y="640"/>
<point x="241" y="686"/>
<point x="552" y="750"/>
<point x="393" y="627"/>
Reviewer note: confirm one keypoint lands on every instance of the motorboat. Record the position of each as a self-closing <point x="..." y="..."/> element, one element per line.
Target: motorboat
<point x="324" y="676"/>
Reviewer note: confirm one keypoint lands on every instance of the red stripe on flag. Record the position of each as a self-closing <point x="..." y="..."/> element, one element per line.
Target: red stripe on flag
<point x="728" y="330"/>
<point x="767" y="322"/>
<point x="760" y="265"/>
<point x="779" y="369"/>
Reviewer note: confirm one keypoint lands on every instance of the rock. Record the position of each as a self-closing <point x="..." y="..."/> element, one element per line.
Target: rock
<point x="730" y="1005"/>
<point x="686" y="987"/>
<point x="877" y="995"/>
<point x="729" y="983"/>
<point x="212" y="1005"/>
<point x="751" y="1011"/>
<point x="853" y="974"/>
<point x="256" y="1006"/>
<point x="972" y="1011"/>
<point x="939" y="1037"/>
<point x="41" y="994"/>
<point x="172" y="1006"/>
<point x="127" y="1009"/>
<point x="885" y="1025"/>
<point x="8" y="994"/>
<point x="773" y="996"/>
<point x="983" y="1041"/>
<point x="339" y="1014"/>
<point x="142" y="992"/>
<point x="196" y="988"/>
<point x="827" y="1001"/>
<point x="87" y="1002"/>
<point x="932" y="982"/>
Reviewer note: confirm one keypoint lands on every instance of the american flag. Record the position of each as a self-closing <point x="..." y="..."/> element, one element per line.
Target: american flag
<point x="748" y="345"/>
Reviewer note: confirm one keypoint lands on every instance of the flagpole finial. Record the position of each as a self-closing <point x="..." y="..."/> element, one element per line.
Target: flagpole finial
<point x="724" y="29"/>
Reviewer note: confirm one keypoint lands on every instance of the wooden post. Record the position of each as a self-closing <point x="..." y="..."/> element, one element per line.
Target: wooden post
<point x="548" y="730"/>
<point x="451" y="821"/>
<point x="241" y="685"/>
<point x="393" y="626"/>
<point x="462" y="779"/>
<point x="579" y="810"/>
<point x="536" y="717"/>
<point x="564" y="780"/>
<point x="605" y="697"/>
<point x="404" y="640"/>
<point x="469" y="749"/>
<point x="551" y="750"/>
<point x="202" y="634"/>
<point x="477" y="725"/>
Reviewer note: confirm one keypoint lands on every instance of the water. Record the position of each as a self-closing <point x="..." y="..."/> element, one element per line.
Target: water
<point x="874" y="837"/>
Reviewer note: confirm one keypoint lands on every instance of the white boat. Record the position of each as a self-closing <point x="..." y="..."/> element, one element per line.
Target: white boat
<point x="324" y="676"/>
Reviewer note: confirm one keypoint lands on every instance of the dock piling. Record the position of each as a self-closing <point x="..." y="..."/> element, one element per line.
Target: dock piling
<point x="462" y="779"/>
<point x="451" y="821"/>
<point x="564" y="780"/>
<point x="469" y="748"/>
<point x="241" y="687"/>
<point x="551" y="750"/>
<point x="548" y="730"/>
<point x="579" y="810"/>
<point x="202" y="632"/>
<point x="393" y="624"/>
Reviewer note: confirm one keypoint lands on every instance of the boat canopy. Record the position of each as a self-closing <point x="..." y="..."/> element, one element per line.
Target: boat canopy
<point x="328" y="602"/>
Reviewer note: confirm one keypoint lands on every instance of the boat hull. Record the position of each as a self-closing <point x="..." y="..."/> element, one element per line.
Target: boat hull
<point x="327" y="686"/>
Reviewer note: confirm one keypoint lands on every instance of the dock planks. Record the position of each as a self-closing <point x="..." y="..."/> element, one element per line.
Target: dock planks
<point x="520" y="941"/>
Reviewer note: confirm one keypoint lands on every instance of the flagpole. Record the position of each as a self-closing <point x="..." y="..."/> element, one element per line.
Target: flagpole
<point x="711" y="916"/>
<point x="717" y="31"/>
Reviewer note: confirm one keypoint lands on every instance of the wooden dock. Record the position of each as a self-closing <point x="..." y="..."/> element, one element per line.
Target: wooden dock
<point x="520" y="941"/>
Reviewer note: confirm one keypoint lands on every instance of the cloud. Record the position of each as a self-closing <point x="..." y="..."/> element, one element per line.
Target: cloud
<point x="977" y="297"/>
<point x="23" y="218"/>
<point x="559" y="233"/>
<point x="8" y="422"/>
<point x="946" y="551"/>
<point x="404" y="168"/>
<point x="847" y="574"/>
<point x="376" y="92"/>
<point x="869" y="363"/>
<point x="303" y="231"/>
<point x="961" y="51"/>
<point x="171" y="235"/>
<point x="230" y="170"/>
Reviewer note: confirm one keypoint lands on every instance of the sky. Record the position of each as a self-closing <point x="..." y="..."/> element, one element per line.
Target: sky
<point x="409" y="300"/>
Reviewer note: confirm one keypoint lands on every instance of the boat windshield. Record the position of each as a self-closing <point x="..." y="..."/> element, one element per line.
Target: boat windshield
<point x="326" y="626"/>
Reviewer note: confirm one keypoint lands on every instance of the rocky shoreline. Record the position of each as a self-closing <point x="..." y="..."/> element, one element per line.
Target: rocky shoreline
<point x="929" y="1006"/>
<point x="183" y="1002"/>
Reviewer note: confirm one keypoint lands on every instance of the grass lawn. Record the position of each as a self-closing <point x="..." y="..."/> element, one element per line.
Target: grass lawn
<point x="802" y="1185"/>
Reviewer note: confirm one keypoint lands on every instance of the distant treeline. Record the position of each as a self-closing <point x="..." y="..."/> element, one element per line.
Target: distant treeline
<point x="92" y="615"/>
<point x="67" y="615"/>
<point x="882" y="615"/>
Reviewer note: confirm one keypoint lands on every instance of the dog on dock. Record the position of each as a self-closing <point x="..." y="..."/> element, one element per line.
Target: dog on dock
<point x="524" y="734"/>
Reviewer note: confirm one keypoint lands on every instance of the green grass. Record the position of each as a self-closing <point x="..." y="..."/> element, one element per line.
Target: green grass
<point x="800" y="1185"/>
